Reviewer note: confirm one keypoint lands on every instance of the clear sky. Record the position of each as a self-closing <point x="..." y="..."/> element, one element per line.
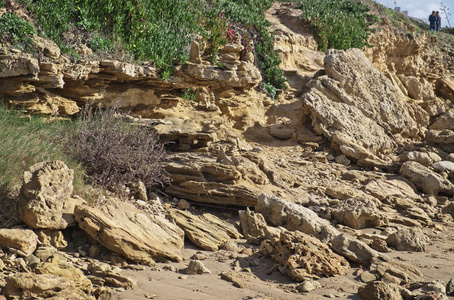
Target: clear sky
<point x="422" y="8"/>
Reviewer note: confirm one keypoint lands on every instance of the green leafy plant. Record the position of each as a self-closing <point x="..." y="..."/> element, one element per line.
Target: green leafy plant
<point x="98" y="43"/>
<point x="189" y="94"/>
<point x="15" y="30"/>
<point x="269" y="89"/>
<point x="340" y="24"/>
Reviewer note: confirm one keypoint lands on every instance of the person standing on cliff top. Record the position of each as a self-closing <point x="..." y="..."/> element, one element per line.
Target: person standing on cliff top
<point x="437" y="14"/>
<point x="433" y="21"/>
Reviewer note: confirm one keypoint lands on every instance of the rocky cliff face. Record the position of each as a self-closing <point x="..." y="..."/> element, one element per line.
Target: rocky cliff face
<point x="355" y="153"/>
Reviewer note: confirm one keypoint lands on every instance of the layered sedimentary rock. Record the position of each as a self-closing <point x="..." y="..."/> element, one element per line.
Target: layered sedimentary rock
<point x="135" y="234"/>
<point x="58" y="86"/>
<point x="357" y="107"/>
<point x="206" y="231"/>
<point x="209" y="181"/>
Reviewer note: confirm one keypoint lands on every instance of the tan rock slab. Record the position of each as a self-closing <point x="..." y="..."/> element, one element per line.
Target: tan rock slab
<point x="206" y="231"/>
<point x="24" y="240"/>
<point x="66" y="270"/>
<point x="425" y="179"/>
<point x="41" y="286"/>
<point x="138" y="236"/>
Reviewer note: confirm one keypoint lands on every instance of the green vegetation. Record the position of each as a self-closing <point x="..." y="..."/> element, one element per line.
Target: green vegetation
<point x="16" y="31"/>
<point x="340" y="24"/>
<point x="159" y="31"/>
<point x="29" y="140"/>
<point x="189" y="94"/>
<point x="99" y="43"/>
<point x="269" y="89"/>
<point x="102" y="148"/>
<point x="251" y="14"/>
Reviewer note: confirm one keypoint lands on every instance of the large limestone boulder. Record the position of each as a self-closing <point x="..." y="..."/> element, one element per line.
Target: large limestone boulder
<point x="42" y="286"/>
<point x="359" y="213"/>
<point x="425" y="179"/>
<point x="445" y="121"/>
<point x="304" y="257"/>
<point x="408" y="239"/>
<point x="45" y="197"/>
<point x="279" y="212"/>
<point x="206" y="231"/>
<point x="211" y="181"/>
<point x="24" y="240"/>
<point x="378" y="290"/>
<point x="66" y="270"/>
<point x="137" y="235"/>
<point x="292" y="216"/>
<point x="443" y="139"/>
<point x="355" y="100"/>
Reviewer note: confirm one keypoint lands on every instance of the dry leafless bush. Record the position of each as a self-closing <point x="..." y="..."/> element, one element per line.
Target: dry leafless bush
<point x="114" y="152"/>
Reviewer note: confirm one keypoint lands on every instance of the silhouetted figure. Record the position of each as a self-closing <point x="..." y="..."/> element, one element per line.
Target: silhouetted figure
<point x="438" y="27"/>
<point x="433" y="21"/>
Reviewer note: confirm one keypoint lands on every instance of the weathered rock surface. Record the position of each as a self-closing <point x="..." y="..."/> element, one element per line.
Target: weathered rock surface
<point x="408" y="239"/>
<point x="137" y="235"/>
<point x="39" y="286"/>
<point x="212" y="182"/>
<point x="304" y="256"/>
<point x="24" y="240"/>
<point x="294" y="217"/>
<point x="425" y="179"/>
<point x="359" y="213"/>
<point x="196" y="267"/>
<point x="355" y="100"/>
<point x="66" y="270"/>
<point x="45" y="198"/>
<point x="206" y="231"/>
<point x="253" y="224"/>
<point x="99" y="81"/>
<point x="378" y="290"/>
